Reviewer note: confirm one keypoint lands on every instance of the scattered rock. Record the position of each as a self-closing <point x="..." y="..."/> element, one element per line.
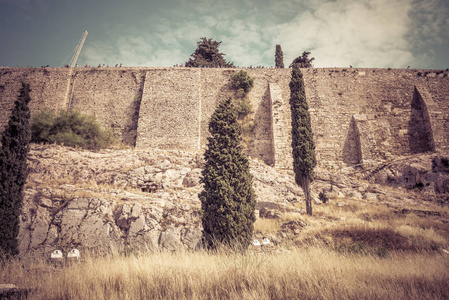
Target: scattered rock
<point x="10" y="291"/>
<point x="440" y="164"/>
<point x="270" y="213"/>
<point x="192" y="178"/>
<point x="370" y="196"/>
<point x="293" y="226"/>
<point x="170" y="239"/>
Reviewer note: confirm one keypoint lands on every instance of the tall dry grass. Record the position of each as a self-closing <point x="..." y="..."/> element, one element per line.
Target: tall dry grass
<point x="312" y="273"/>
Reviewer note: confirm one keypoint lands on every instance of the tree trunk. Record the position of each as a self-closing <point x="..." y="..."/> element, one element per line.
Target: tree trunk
<point x="306" y="190"/>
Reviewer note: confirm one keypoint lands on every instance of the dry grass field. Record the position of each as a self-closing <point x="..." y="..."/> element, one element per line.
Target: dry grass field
<point x="361" y="250"/>
<point x="308" y="273"/>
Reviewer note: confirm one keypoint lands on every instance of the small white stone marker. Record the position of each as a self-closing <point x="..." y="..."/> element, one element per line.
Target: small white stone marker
<point x="74" y="254"/>
<point x="56" y="257"/>
<point x="256" y="243"/>
<point x="56" y="254"/>
<point x="265" y="241"/>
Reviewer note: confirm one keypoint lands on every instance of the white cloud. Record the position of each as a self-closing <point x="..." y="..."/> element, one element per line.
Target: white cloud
<point x="362" y="33"/>
<point x="350" y="32"/>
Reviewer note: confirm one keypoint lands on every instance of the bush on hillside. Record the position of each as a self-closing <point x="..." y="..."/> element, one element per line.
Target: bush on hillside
<point x="242" y="81"/>
<point x="71" y="129"/>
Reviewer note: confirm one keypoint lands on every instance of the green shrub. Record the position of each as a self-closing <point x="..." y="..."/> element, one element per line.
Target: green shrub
<point x="71" y="129"/>
<point x="243" y="107"/>
<point x="241" y="80"/>
<point x="323" y="197"/>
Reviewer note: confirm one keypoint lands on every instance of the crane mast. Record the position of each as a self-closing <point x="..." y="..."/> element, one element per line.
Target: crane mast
<point x="78" y="49"/>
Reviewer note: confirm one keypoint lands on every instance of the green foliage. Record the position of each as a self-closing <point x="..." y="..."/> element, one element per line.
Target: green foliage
<point x="303" y="61"/>
<point x="243" y="107"/>
<point x="13" y="171"/>
<point x="71" y="129"/>
<point x="228" y="200"/>
<point x="279" y="57"/>
<point x="323" y="197"/>
<point x="208" y="55"/>
<point x="242" y="81"/>
<point x="303" y="146"/>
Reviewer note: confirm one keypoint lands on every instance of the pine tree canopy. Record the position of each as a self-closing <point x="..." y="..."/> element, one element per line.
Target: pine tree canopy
<point x="303" y="61"/>
<point x="228" y="199"/>
<point x="13" y="171"/>
<point x="208" y="55"/>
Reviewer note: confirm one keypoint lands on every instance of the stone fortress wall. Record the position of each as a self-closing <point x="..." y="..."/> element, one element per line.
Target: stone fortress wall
<point x="358" y="115"/>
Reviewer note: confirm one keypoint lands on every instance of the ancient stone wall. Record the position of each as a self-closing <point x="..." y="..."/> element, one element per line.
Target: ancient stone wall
<point x="113" y="96"/>
<point x="379" y="103"/>
<point x="358" y="115"/>
<point x="48" y="89"/>
<point x="170" y="110"/>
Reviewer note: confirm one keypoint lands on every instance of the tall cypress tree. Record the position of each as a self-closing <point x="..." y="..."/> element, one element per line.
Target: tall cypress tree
<point x="228" y="200"/>
<point x="304" y="160"/>
<point x="279" y="57"/>
<point x="13" y="171"/>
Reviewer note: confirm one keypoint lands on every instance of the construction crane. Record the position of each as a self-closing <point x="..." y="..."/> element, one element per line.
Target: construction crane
<point x="78" y="50"/>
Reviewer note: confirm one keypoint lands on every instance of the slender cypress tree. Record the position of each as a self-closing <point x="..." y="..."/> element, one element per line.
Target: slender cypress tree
<point x="228" y="200"/>
<point x="13" y="171"/>
<point x="279" y="57"/>
<point x="302" y="137"/>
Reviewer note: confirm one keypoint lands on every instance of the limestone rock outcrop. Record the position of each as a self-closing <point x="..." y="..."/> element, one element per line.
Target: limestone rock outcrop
<point x="123" y="200"/>
<point x="145" y="200"/>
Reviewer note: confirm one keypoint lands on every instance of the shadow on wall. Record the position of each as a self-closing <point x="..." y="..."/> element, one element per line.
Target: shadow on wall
<point x="262" y="131"/>
<point x="420" y="135"/>
<point x="129" y="134"/>
<point x="352" y="149"/>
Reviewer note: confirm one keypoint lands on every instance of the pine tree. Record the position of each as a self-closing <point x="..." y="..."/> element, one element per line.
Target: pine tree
<point x="228" y="200"/>
<point x="208" y="55"/>
<point x="303" y="61"/>
<point x="13" y="171"/>
<point x="303" y="147"/>
<point x="279" y="57"/>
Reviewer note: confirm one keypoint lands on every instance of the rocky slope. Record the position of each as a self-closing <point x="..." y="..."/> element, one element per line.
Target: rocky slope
<point x="130" y="200"/>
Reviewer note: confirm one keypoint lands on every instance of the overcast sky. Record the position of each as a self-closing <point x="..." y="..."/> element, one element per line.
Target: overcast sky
<point x="339" y="33"/>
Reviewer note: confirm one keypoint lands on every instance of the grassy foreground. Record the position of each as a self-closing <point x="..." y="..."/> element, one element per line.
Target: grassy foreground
<point x="309" y="273"/>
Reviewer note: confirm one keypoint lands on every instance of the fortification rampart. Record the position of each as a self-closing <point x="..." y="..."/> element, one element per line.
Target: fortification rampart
<point x="357" y="115"/>
<point x="370" y="114"/>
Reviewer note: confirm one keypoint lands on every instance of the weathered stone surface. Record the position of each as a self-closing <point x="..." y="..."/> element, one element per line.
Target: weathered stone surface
<point x="191" y="238"/>
<point x="270" y="213"/>
<point x="293" y="226"/>
<point x="11" y="291"/>
<point x="192" y="178"/>
<point x="370" y="196"/>
<point x="170" y="239"/>
<point x="425" y="171"/>
<point x="105" y="207"/>
<point x="94" y="201"/>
